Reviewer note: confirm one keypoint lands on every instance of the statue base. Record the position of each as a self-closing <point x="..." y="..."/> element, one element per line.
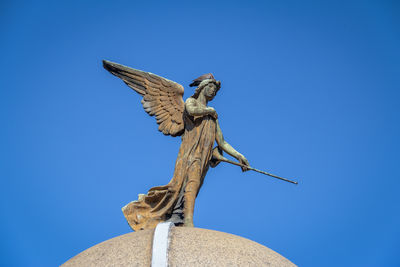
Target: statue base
<point x="178" y="246"/>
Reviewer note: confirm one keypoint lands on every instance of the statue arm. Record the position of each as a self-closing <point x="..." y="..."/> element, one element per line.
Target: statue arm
<point x="193" y="109"/>
<point x="228" y="148"/>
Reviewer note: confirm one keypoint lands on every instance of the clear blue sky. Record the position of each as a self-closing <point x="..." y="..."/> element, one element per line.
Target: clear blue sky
<point x="310" y="90"/>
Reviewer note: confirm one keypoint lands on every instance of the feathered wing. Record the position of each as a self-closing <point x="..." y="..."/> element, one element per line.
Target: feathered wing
<point x="162" y="98"/>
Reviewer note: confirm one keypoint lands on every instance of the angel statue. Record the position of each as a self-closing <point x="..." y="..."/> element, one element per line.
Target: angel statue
<point x="198" y="126"/>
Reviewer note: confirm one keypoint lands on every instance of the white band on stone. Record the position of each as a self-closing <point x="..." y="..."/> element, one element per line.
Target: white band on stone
<point x="159" y="256"/>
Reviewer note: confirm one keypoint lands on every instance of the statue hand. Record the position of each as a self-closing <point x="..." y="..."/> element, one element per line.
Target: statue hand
<point x="243" y="161"/>
<point x="213" y="112"/>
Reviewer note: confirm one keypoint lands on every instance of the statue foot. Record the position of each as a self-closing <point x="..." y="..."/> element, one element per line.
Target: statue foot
<point x="188" y="222"/>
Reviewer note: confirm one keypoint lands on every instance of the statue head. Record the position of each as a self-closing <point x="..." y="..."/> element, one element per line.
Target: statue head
<point x="206" y="84"/>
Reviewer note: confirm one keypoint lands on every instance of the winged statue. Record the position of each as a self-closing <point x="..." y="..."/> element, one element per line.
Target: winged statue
<point x="197" y="124"/>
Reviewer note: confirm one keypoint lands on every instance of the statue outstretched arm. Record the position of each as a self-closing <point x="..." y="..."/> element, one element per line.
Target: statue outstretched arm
<point x="194" y="109"/>
<point x="228" y="148"/>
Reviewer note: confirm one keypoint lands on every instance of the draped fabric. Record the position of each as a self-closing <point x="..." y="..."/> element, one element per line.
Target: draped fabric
<point x="166" y="202"/>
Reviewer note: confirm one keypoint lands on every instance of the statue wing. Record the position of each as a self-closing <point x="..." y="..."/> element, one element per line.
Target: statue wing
<point x="161" y="97"/>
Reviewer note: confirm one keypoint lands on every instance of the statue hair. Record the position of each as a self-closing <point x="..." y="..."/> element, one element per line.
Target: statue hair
<point x="203" y="84"/>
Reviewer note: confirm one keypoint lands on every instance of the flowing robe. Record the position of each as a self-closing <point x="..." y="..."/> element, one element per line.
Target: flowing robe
<point x="167" y="202"/>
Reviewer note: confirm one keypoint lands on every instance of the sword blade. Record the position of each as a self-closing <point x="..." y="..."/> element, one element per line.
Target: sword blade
<point x="259" y="171"/>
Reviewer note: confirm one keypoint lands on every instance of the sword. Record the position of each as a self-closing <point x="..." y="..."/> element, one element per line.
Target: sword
<point x="256" y="170"/>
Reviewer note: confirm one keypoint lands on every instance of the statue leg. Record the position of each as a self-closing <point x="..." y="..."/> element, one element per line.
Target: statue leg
<point x="191" y="190"/>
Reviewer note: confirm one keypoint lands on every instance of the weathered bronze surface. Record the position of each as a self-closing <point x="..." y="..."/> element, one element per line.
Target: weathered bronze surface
<point x="197" y="124"/>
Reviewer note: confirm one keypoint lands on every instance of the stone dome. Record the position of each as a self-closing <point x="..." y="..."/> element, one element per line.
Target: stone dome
<point x="184" y="247"/>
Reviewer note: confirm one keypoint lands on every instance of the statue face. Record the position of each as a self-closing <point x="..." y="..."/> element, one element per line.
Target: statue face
<point x="210" y="91"/>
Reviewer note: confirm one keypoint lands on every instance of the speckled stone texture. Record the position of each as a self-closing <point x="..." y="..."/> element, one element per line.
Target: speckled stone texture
<point x="201" y="247"/>
<point x="187" y="247"/>
<point x="133" y="249"/>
